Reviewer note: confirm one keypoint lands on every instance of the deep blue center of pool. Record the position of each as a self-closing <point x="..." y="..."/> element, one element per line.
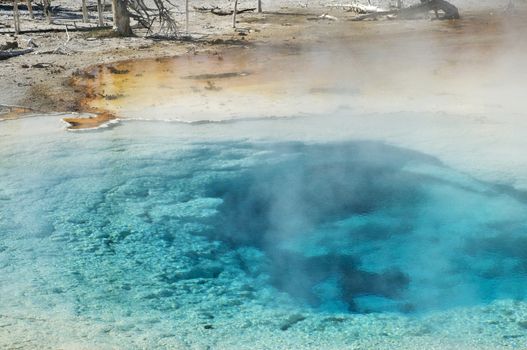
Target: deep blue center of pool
<point x="355" y="227"/>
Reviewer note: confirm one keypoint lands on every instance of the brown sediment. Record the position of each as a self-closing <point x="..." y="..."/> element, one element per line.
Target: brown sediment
<point x="182" y="80"/>
<point x="79" y="82"/>
<point x="92" y="122"/>
<point x="13" y="112"/>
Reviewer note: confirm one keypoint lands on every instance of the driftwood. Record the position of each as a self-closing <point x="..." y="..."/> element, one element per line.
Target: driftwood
<point x="21" y="6"/>
<point x="202" y="8"/>
<point x="449" y="10"/>
<point x="322" y="17"/>
<point x="105" y="7"/>
<point x="219" y="12"/>
<point x="59" y="30"/>
<point x="375" y="15"/>
<point x="4" y="55"/>
<point x="358" y="8"/>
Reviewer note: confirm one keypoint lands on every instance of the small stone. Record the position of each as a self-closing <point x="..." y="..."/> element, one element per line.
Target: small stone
<point x="291" y="321"/>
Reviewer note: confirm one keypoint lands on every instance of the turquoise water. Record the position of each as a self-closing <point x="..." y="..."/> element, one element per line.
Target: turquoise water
<point x="160" y="235"/>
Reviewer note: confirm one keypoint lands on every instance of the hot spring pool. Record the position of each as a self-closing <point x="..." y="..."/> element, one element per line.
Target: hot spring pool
<point x="222" y="236"/>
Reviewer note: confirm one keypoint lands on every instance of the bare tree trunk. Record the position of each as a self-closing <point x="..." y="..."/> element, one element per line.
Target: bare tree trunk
<point x="234" y="13"/>
<point x="84" y="12"/>
<point x="113" y="14"/>
<point x="16" y="16"/>
<point x="30" y="9"/>
<point x="121" y="18"/>
<point x="399" y="4"/>
<point x="259" y="6"/>
<point x="100" y="10"/>
<point x="47" y="10"/>
<point x="186" y="16"/>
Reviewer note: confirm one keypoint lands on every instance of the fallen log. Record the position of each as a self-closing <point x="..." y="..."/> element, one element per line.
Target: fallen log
<point x="105" y="7"/>
<point x="219" y="12"/>
<point x="374" y="15"/>
<point x="203" y="9"/>
<point x="21" y="7"/>
<point x="58" y="30"/>
<point x="4" y="55"/>
<point x="323" y="17"/>
<point x="449" y="10"/>
<point x="357" y="8"/>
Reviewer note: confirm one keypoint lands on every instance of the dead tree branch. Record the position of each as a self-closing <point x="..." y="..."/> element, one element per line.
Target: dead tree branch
<point x="59" y="30"/>
<point x="219" y="12"/>
<point x="449" y="10"/>
<point x="147" y="16"/>
<point x="4" y="55"/>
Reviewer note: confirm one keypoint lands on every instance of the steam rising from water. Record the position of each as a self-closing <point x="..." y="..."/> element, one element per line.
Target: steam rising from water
<point x="341" y="227"/>
<point x="139" y="228"/>
<point x="471" y="66"/>
<point x="367" y="227"/>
